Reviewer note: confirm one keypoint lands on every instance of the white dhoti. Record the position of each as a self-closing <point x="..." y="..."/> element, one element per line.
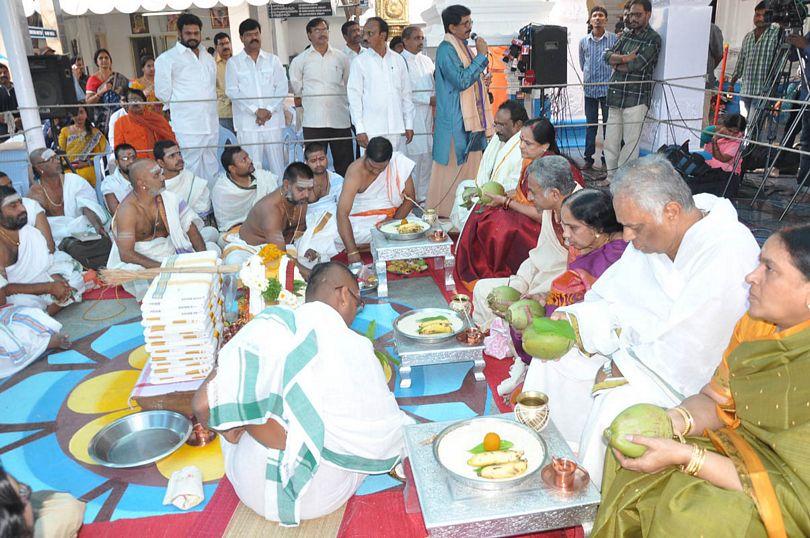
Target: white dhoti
<point x="232" y="203"/>
<point x="200" y="154"/>
<point x="35" y="265"/>
<point x="266" y="149"/>
<point x="322" y="237"/>
<point x="329" y="489"/>
<point x="24" y="335"/>
<point x="236" y="250"/>
<point x="78" y="195"/>
<point x="421" y="173"/>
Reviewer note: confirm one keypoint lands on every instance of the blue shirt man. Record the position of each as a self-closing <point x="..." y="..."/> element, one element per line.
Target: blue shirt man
<point x="592" y="49"/>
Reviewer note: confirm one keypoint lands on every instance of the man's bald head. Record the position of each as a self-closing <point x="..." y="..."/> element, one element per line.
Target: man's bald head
<point x="147" y="176"/>
<point x="334" y="284"/>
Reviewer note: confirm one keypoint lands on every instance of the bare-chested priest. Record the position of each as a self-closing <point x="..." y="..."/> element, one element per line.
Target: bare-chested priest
<point x="152" y="224"/>
<point x="378" y="186"/>
<point x="279" y="218"/>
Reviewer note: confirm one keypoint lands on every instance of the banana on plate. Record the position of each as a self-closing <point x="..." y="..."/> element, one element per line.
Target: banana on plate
<point x="505" y="470"/>
<point x="495" y="457"/>
<point x="436" y="326"/>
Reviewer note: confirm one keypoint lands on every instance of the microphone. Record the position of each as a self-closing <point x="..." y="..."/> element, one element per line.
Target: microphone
<point x="473" y="36"/>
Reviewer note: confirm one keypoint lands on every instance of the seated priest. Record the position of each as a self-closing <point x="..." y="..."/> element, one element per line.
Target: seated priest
<point x="36" y="215"/>
<point x="77" y="220"/>
<point x="25" y="334"/>
<point x="192" y="189"/>
<point x="280" y="218"/>
<point x="743" y="468"/>
<point x="497" y="238"/>
<point x="321" y="240"/>
<point x="298" y="446"/>
<point x="237" y="189"/>
<point x="141" y="127"/>
<point x="152" y="224"/>
<point x="378" y="186"/>
<point x="653" y="327"/>
<point x="35" y="276"/>
<point x="117" y="185"/>
<point x="501" y="162"/>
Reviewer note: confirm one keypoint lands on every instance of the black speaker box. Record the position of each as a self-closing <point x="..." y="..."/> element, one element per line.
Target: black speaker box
<point x="53" y="84"/>
<point x="550" y="54"/>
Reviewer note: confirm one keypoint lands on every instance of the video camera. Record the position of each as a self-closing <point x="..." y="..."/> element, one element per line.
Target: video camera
<point x="789" y="14"/>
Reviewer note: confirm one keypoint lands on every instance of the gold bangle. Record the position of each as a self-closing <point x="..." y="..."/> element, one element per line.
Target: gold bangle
<point x="689" y="422"/>
<point x="695" y="461"/>
<point x="353" y="252"/>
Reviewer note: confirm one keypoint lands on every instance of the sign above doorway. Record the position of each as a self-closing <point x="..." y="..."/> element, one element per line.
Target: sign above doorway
<point x="287" y="11"/>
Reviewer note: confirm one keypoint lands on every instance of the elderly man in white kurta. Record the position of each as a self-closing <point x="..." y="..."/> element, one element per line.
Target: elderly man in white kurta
<point x="380" y="90"/>
<point x="257" y="85"/>
<point x="420" y="69"/>
<point x="186" y="79"/>
<point x="502" y="161"/>
<point x="655" y="324"/>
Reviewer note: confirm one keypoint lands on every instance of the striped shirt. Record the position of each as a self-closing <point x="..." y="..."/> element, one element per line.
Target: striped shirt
<point x="594" y="69"/>
<point x="647" y="44"/>
<point x="754" y="60"/>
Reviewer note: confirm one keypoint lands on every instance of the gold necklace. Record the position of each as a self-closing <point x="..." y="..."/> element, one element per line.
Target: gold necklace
<point x="61" y="185"/>
<point x="289" y="219"/>
<point x="17" y="242"/>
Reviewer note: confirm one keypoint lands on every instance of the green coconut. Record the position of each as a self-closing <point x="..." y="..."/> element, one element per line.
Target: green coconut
<point x="640" y="419"/>
<point x="548" y="339"/>
<point x="523" y="312"/>
<point x="501" y="298"/>
<point x="490" y="188"/>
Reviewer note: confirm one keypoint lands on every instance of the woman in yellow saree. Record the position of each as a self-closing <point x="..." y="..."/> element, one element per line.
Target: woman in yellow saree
<point x="746" y="469"/>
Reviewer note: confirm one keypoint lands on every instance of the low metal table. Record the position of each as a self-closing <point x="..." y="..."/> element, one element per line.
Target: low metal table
<point x="414" y="353"/>
<point x="384" y="250"/>
<point x="450" y="509"/>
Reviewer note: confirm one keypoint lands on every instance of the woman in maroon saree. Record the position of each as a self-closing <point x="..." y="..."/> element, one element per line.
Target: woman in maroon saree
<point x="497" y="238"/>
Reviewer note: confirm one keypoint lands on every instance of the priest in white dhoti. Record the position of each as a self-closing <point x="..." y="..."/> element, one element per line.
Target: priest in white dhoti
<point x="186" y="185"/>
<point x="420" y="70"/>
<point x="297" y="447"/>
<point x="186" y="80"/>
<point x="36" y="214"/>
<point x="35" y="277"/>
<point x="257" y="85"/>
<point x="654" y="326"/>
<point x="378" y="186"/>
<point x="321" y="240"/>
<point x="68" y="199"/>
<point x="25" y="334"/>
<point x="237" y="190"/>
<point x="151" y="225"/>
<point x="502" y="161"/>
<point x="379" y="90"/>
<point x="116" y="186"/>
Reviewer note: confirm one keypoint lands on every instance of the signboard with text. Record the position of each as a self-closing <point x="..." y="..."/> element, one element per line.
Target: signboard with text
<point x="37" y="32"/>
<point x="299" y="9"/>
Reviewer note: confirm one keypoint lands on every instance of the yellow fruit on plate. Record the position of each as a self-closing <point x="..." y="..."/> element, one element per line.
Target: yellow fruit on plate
<point x="492" y="441"/>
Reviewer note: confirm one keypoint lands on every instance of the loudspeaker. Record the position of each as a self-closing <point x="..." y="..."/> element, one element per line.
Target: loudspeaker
<point x="53" y="84"/>
<point x="549" y="54"/>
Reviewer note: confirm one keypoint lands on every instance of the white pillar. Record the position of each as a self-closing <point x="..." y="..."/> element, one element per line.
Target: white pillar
<point x="11" y="26"/>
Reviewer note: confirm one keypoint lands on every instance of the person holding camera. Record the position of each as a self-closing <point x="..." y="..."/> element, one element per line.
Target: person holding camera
<point x="801" y="46"/>
<point x="754" y="61"/>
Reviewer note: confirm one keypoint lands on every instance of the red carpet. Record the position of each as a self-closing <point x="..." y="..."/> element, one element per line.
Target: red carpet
<point x="106" y="292"/>
<point x="153" y="527"/>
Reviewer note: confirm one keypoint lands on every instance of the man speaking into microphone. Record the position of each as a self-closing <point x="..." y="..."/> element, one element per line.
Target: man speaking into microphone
<point x="463" y="111"/>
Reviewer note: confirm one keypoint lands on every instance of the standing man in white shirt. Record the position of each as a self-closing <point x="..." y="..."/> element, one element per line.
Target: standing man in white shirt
<point x="186" y="79"/>
<point x="380" y="90"/>
<point x="257" y="85"/>
<point x="318" y="77"/>
<point x="420" y="68"/>
<point x="352" y="35"/>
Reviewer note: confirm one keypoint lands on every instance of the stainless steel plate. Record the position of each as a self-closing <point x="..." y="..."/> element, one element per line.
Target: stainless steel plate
<point x="455" y="440"/>
<point x="387" y="228"/>
<point x="139" y="439"/>
<point x="405" y="324"/>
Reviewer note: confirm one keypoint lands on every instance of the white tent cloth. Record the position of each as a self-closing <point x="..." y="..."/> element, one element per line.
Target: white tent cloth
<point x="100" y="7"/>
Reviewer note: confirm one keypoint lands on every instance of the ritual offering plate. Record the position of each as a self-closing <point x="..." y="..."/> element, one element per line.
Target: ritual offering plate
<point x="565" y="476"/>
<point x="429" y="325"/>
<point x="139" y="439"/>
<point x="403" y="229"/>
<point x="407" y="267"/>
<point x="489" y="453"/>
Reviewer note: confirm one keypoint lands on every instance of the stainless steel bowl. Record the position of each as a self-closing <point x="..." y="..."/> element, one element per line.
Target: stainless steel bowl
<point x="484" y="484"/>
<point x="139" y="439"/>
<point x="393" y="236"/>
<point x="427" y="312"/>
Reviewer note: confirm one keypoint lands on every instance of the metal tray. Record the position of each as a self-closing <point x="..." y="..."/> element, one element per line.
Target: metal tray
<point x="533" y="445"/>
<point x="394" y="236"/>
<point x="428" y="312"/>
<point x="139" y="439"/>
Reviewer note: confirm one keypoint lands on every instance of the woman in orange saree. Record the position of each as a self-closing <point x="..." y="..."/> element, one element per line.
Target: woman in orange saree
<point x="497" y="237"/>
<point x="743" y="470"/>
